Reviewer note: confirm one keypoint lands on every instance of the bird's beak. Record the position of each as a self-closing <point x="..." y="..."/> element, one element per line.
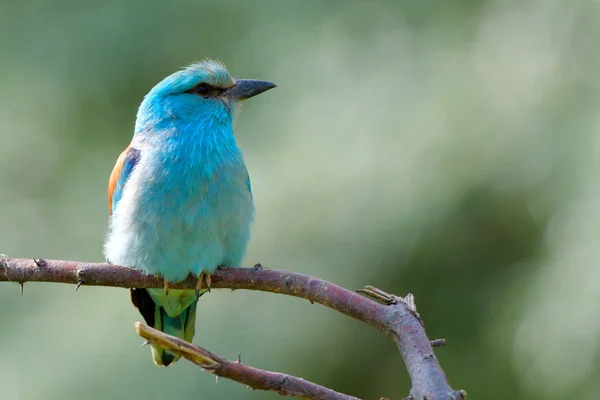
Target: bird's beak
<point x="246" y="88"/>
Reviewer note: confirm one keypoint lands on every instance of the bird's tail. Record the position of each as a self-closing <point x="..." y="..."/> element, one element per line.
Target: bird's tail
<point x="181" y="325"/>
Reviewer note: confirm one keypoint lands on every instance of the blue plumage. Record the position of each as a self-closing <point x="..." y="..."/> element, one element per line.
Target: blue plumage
<point x="181" y="197"/>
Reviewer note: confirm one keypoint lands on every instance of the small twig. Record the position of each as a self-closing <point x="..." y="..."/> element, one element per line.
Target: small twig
<point x="283" y="384"/>
<point x="438" y="342"/>
<point x="376" y="295"/>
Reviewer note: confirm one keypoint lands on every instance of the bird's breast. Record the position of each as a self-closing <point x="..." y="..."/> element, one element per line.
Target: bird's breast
<point x="197" y="195"/>
<point x="180" y="215"/>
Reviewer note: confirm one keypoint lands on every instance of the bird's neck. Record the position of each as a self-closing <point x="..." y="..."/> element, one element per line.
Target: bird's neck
<point x="208" y="144"/>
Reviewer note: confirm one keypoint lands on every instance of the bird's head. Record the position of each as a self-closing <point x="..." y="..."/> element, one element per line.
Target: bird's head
<point x="203" y="92"/>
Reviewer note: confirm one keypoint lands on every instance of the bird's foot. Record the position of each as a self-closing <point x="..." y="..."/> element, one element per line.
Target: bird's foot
<point x="166" y="286"/>
<point x="204" y="277"/>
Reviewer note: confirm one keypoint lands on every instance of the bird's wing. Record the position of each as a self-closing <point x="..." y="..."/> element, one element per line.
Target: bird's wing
<point x="119" y="175"/>
<point x="248" y="184"/>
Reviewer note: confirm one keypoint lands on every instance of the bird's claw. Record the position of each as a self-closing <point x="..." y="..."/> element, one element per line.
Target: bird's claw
<point x="203" y="278"/>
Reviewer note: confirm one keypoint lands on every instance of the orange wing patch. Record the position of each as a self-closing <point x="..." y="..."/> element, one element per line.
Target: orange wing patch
<point x="114" y="177"/>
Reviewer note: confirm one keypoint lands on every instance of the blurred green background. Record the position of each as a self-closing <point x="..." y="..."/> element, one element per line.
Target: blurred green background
<point x="444" y="148"/>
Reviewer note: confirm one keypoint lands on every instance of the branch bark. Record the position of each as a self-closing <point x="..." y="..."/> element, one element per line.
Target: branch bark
<point x="395" y="316"/>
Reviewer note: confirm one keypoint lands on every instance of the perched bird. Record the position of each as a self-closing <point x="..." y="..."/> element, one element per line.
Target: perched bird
<point x="179" y="196"/>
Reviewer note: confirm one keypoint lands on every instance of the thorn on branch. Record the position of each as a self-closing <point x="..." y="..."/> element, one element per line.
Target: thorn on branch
<point x="80" y="278"/>
<point x="21" y="288"/>
<point x="239" y="358"/>
<point x="258" y="267"/>
<point x="146" y="343"/>
<point x="40" y="262"/>
<point x="438" y="342"/>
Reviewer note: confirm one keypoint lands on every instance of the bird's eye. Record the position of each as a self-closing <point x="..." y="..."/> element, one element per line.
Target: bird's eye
<point x="202" y="89"/>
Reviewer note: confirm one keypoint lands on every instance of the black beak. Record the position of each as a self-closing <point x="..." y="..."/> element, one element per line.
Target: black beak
<point x="246" y="88"/>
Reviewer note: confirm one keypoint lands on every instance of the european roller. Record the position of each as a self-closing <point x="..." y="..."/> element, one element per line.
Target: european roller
<point x="179" y="196"/>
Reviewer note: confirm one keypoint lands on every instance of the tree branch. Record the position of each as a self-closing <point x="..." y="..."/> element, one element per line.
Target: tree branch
<point x="397" y="317"/>
<point x="283" y="384"/>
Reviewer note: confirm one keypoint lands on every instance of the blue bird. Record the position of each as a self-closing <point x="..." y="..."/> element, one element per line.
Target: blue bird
<point x="179" y="196"/>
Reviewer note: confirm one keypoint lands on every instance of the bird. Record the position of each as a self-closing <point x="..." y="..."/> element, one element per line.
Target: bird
<point x="179" y="196"/>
